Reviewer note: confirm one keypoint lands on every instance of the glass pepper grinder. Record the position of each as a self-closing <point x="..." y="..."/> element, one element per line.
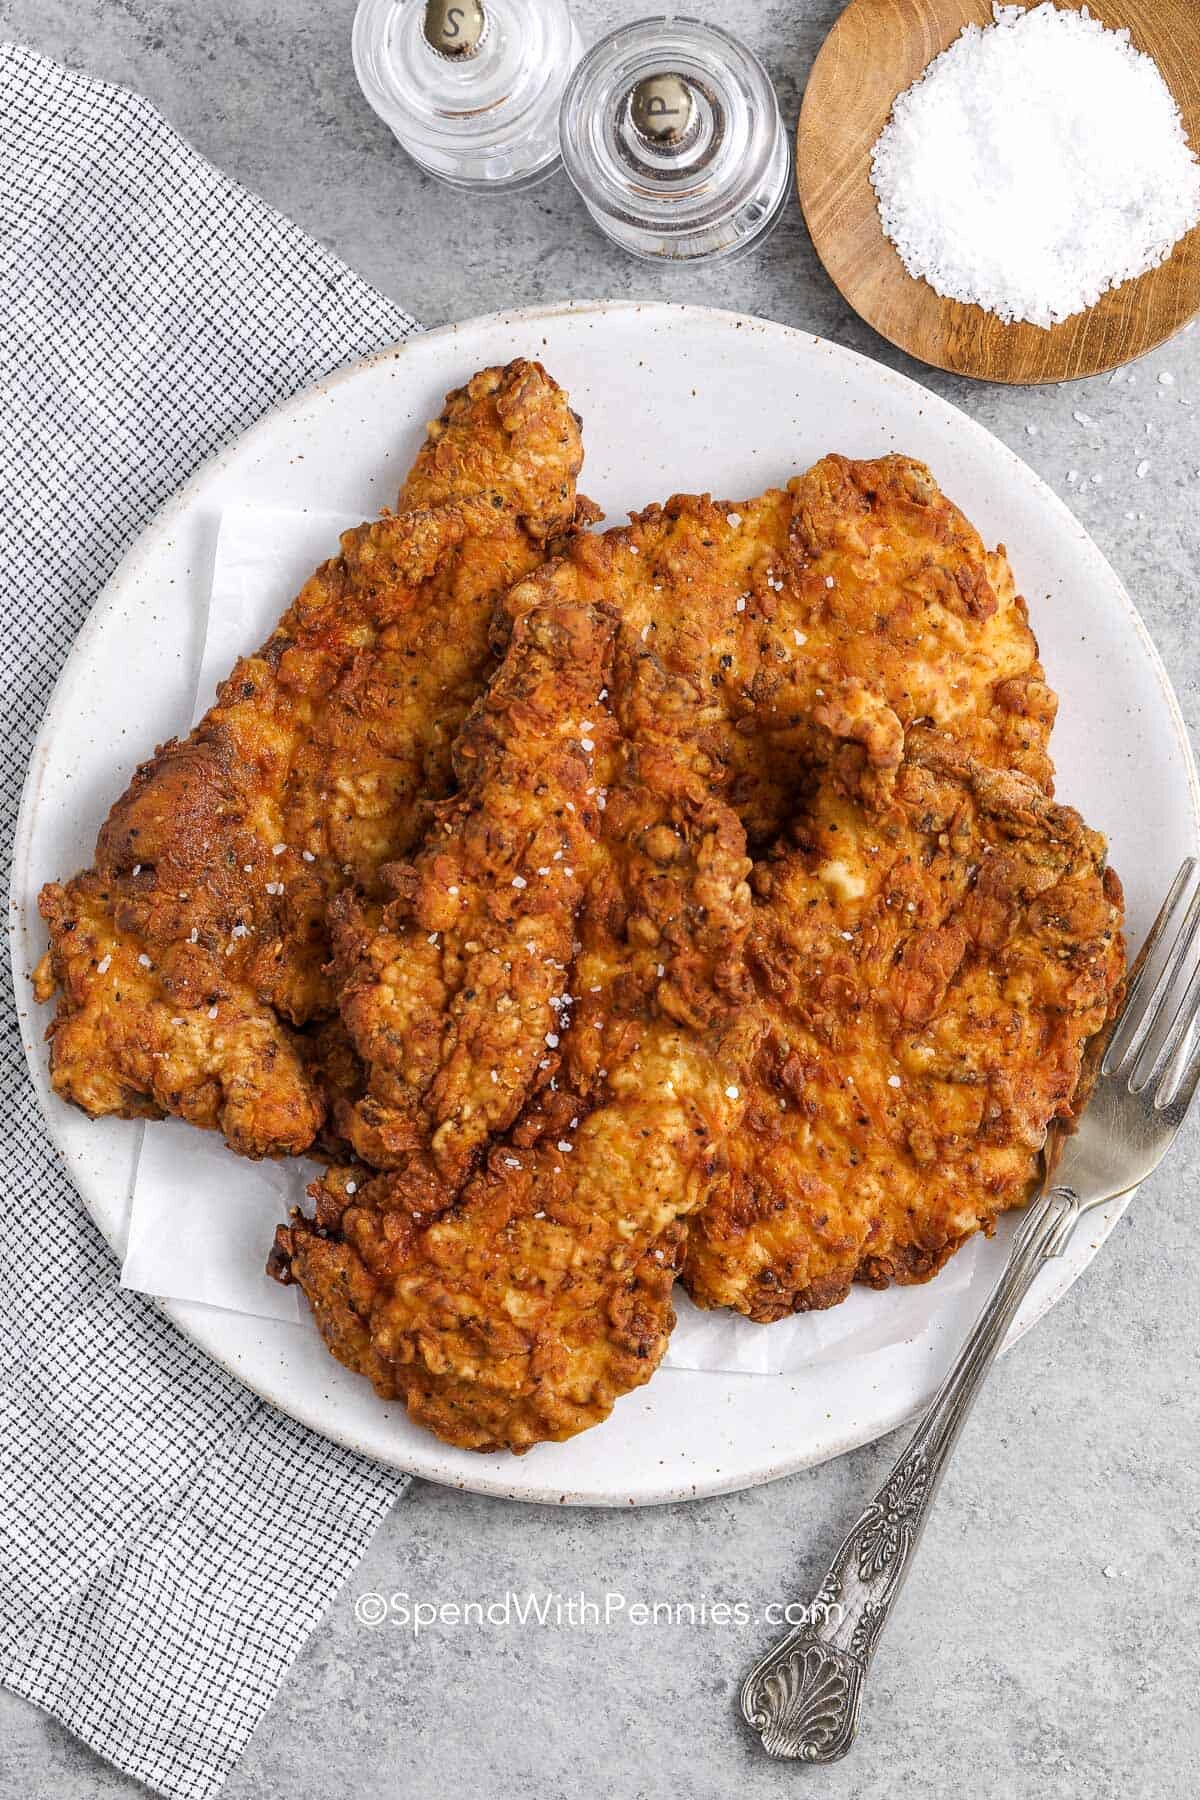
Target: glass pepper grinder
<point x="671" y="133"/>
<point x="471" y="88"/>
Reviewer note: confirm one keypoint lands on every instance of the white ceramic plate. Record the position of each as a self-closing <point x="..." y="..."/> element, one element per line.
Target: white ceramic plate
<point x="673" y="398"/>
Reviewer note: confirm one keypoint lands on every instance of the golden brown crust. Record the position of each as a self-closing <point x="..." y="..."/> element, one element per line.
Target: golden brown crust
<point x="511" y="1296"/>
<point x="470" y="951"/>
<point x="929" y="975"/>
<point x="185" y="957"/>
<point x="673" y="696"/>
<point x="845" y="608"/>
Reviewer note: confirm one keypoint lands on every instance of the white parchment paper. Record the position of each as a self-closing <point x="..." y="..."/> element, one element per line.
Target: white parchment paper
<point x="202" y="1219"/>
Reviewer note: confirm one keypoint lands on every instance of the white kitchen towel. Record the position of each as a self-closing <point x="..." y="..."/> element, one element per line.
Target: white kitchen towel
<point x="167" y="1542"/>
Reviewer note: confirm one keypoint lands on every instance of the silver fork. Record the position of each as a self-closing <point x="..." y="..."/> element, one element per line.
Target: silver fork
<point x="805" y="1695"/>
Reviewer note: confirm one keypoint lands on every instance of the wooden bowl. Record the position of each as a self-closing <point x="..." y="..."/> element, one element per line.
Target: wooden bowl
<point x="876" y="49"/>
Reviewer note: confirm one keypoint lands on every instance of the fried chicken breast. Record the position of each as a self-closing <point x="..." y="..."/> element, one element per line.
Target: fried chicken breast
<point x="567" y="1010"/>
<point x="928" y="974"/>
<point x="186" y="956"/>
<point x="849" y="606"/>
<point x="509" y="1288"/>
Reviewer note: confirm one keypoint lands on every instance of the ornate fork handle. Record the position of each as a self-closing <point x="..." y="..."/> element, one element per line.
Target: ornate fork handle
<point x="804" y="1696"/>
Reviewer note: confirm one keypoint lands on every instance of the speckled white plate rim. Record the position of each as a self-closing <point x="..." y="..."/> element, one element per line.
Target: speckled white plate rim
<point x="432" y="1463"/>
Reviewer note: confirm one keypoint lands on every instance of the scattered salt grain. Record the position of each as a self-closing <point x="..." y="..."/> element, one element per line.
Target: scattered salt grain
<point x="733" y="519"/>
<point x="893" y="1081"/>
<point x="144" y="960"/>
<point x="519" y="881"/>
<point x="278" y="849"/>
<point x="1142" y="470"/>
<point x="212" y="1012"/>
<point x="1035" y="164"/>
<point x="731" y="1093"/>
<point x="104" y="965"/>
<point x="308" y="856"/>
<point x="1082" y="418"/>
<point x="1166" y="377"/>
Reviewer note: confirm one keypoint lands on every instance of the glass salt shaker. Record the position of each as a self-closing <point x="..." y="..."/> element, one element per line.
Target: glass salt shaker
<point x="471" y="88"/>
<point x="671" y="133"/>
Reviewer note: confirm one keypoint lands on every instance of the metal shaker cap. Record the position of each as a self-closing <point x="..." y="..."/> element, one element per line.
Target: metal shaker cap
<point x="662" y="109"/>
<point x="454" y="27"/>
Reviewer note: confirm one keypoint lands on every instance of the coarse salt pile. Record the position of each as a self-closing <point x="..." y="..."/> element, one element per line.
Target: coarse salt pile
<point x="1035" y="164"/>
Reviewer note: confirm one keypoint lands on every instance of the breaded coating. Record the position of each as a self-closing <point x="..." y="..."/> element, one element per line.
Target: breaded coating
<point x="488" y="908"/>
<point x="569" y="1008"/>
<point x="187" y="955"/>
<point x="515" y="1304"/>
<point x="849" y="606"/>
<point x="928" y="974"/>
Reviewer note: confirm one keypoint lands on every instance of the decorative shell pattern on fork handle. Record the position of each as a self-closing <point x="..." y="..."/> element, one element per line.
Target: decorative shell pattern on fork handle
<point x="805" y="1694"/>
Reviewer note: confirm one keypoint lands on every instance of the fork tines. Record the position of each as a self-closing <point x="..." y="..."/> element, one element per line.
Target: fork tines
<point x="1152" y="1043"/>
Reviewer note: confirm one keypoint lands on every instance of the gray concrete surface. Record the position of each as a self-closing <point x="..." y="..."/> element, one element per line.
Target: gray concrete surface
<point x="1048" y="1645"/>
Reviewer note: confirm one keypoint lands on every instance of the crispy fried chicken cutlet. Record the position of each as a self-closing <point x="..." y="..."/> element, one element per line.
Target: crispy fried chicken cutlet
<point x="186" y="956"/>
<point x="571" y="1002"/>
<point x="850" y="605"/>
<point x="514" y="1300"/>
<point x="927" y="974"/>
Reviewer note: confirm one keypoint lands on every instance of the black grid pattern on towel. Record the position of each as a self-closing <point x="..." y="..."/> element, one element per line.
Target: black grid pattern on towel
<point x="167" y="1542"/>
